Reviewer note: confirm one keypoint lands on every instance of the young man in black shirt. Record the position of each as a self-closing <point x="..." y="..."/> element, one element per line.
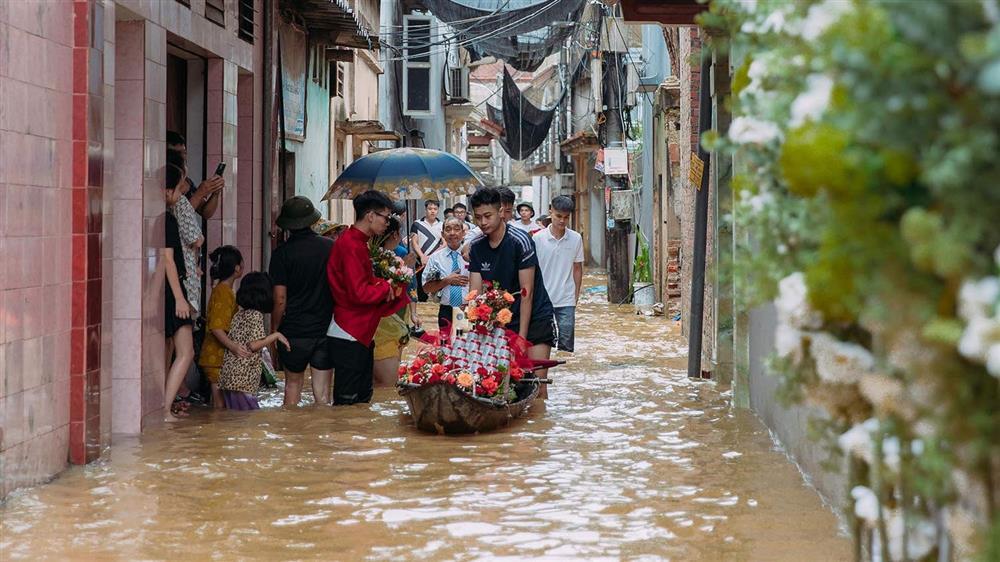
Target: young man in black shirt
<point x="506" y="256"/>
<point x="303" y="305"/>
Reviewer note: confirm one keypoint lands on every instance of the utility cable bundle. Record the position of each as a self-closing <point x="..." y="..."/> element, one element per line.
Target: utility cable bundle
<point x="522" y="37"/>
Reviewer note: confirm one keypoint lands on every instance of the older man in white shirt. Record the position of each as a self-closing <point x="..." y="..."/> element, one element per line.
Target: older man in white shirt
<point x="560" y="257"/>
<point x="447" y="272"/>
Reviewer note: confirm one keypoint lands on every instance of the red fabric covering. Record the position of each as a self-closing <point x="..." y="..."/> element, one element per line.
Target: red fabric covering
<point x="359" y="298"/>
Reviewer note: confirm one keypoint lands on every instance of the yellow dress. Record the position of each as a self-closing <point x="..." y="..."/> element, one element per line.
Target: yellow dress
<point x="392" y="334"/>
<point x="221" y="309"/>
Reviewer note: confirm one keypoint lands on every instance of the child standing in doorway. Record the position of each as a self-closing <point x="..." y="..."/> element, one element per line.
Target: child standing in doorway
<point x="226" y="269"/>
<point x="239" y="378"/>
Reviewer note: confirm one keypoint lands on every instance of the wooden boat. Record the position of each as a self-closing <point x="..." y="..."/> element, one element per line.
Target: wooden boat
<point x="443" y="408"/>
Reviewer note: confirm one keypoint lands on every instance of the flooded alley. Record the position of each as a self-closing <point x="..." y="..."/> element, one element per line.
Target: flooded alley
<point x="628" y="459"/>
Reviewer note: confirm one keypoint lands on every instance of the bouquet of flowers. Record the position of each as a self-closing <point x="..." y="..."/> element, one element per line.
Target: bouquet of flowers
<point x="388" y="265"/>
<point x="490" y="309"/>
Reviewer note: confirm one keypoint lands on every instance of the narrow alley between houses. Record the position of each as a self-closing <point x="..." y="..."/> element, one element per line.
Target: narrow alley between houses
<point x="627" y="459"/>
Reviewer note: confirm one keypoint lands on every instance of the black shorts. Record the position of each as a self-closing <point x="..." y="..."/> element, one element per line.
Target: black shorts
<point x="542" y="330"/>
<point x="306" y="352"/>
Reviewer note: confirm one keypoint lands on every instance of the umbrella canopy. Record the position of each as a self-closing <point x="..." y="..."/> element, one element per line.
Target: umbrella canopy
<point x="406" y="173"/>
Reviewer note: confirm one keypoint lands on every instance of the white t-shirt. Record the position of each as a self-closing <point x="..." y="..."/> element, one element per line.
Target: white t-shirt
<point x="556" y="258"/>
<point x="428" y="235"/>
<point x="516" y="223"/>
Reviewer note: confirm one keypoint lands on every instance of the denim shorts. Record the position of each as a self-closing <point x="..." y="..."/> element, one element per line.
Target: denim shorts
<point x="565" y="321"/>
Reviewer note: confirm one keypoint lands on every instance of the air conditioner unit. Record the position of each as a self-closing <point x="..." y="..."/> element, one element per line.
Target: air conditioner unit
<point x="458" y="83"/>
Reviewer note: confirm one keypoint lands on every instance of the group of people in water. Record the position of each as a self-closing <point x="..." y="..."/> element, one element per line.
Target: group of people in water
<point x="329" y="313"/>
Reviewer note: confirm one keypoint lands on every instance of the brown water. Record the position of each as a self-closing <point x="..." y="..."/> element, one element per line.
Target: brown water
<point x="627" y="460"/>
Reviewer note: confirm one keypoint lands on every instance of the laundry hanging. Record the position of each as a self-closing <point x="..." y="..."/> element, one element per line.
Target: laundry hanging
<point x="525" y="125"/>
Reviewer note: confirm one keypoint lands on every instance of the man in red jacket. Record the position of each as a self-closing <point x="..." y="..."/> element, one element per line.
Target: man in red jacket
<point x="360" y="299"/>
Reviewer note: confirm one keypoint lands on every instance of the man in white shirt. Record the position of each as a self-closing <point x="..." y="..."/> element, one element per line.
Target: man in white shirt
<point x="560" y="257"/>
<point x="447" y="272"/>
<point x="525" y="212"/>
<point x="425" y="237"/>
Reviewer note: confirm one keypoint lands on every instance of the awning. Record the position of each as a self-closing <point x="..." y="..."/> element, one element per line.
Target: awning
<point x="368" y="130"/>
<point x="336" y="22"/>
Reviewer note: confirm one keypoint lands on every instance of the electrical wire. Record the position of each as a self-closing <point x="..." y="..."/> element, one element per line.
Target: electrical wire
<point x="488" y="35"/>
<point x="430" y="36"/>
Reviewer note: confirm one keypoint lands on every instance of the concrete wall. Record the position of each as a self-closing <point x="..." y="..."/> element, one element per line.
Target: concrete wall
<point x="312" y="155"/>
<point x="788" y="423"/>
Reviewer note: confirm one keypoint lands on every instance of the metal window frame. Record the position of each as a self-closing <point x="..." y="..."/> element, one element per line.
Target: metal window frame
<point x="408" y="64"/>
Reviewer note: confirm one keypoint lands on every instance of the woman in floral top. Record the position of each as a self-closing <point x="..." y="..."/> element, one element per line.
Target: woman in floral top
<point x="240" y="376"/>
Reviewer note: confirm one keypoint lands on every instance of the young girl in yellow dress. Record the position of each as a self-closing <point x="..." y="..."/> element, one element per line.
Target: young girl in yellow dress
<point x="226" y="269"/>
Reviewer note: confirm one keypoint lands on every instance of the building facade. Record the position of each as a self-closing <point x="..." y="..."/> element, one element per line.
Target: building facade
<point x="88" y="91"/>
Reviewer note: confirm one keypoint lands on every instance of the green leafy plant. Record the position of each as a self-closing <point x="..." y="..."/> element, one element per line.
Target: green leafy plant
<point x="866" y="136"/>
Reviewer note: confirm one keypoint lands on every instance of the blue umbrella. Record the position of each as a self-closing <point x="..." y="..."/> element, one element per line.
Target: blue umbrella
<point x="406" y="173"/>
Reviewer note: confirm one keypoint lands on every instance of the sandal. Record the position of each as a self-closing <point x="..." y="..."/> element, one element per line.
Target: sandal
<point x="178" y="409"/>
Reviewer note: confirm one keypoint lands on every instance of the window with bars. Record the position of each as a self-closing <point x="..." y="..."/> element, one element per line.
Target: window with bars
<point x="246" y="16"/>
<point x="215" y="11"/>
<point x="417" y="65"/>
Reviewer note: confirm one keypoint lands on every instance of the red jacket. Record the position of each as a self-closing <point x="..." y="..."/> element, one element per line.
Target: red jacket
<point x="359" y="298"/>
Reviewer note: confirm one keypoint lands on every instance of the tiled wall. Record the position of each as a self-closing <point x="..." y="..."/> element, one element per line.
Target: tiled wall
<point x="82" y="147"/>
<point x="245" y="168"/>
<point x="87" y="223"/>
<point x="36" y="169"/>
<point x="138" y="365"/>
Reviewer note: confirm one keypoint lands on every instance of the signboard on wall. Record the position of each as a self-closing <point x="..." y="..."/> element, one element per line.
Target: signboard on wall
<point x="294" y="66"/>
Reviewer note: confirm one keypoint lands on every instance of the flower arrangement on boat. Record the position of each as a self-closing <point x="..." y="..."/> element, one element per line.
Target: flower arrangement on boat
<point x="490" y="309"/>
<point x="480" y="361"/>
<point x="469" y="372"/>
<point x="388" y="265"/>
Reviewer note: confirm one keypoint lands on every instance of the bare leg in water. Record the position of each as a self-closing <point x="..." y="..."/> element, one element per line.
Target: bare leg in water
<point x="183" y="342"/>
<point x="386" y="372"/>
<point x="541" y="351"/>
<point x="321" y="383"/>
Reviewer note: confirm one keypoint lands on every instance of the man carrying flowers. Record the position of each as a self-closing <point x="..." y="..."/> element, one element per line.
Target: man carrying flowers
<point x="506" y="257"/>
<point x="360" y="299"/>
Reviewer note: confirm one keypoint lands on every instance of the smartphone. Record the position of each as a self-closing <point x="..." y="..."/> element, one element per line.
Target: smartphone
<point x="220" y="169"/>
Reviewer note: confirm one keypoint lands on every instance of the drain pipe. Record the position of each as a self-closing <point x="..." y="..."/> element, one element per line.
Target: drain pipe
<point x="697" y="313"/>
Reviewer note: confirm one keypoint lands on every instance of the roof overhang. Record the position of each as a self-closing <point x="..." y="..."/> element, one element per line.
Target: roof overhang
<point x="336" y="23"/>
<point x="666" y="12"/>
<point x="458" y="112"/>
<point x="368" y="130"/>
<point x="580" y="143"/>
<point x="491" y="127"/>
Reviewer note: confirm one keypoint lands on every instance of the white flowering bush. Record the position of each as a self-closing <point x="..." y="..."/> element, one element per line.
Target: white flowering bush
<point x="866" y="143"/>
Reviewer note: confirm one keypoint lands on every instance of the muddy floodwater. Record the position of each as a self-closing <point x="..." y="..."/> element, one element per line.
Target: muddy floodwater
<point x="627" y="460"/>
